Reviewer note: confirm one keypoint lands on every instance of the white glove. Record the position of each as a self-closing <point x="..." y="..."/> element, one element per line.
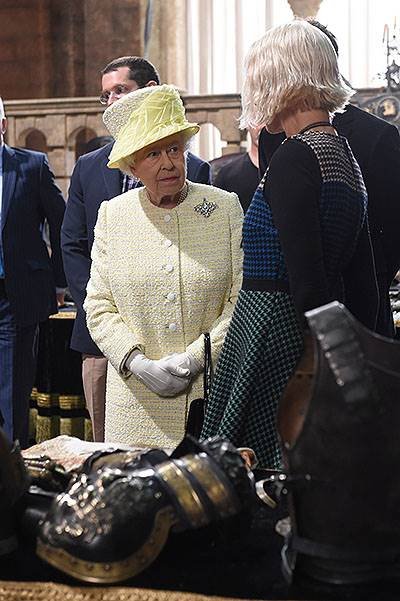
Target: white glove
<point x="162" y="377"/>
<point x="183" y="360"/>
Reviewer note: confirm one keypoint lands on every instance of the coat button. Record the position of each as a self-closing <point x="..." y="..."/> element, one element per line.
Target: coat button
<point x="167" y="243"/>
<point x="173" y="327"/>
<point x="167" y="218"/>
<point x="169" y="268"/>
<point x="171" y="296"/>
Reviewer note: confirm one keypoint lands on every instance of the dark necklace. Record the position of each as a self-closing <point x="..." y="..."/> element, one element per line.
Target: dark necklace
<point x="316" y="124"/>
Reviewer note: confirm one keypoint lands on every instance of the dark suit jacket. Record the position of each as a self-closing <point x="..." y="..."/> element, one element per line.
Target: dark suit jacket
<point x="239" y="175"/>
<point x="30" y="196"/>
<point x="91" y="183"/>
<point x="376" y="147"/>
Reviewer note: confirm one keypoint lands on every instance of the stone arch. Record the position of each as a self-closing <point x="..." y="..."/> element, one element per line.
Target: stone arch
<point x="211" y="143"/>
<point x="33" y="139"/>
<point x="98" y="142"/>
<point x="83" y="136"/>
<point x="75" y="144"/>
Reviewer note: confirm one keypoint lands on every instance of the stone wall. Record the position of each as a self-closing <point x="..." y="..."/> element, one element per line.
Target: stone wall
<point x="56" y="48"/>
<point x="59" y="126"/>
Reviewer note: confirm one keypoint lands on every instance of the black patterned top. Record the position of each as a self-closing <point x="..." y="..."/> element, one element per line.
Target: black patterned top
<point x="302" y="231"/>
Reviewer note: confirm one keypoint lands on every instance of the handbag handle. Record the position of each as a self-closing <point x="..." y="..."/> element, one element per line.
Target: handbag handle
<point x="207" y="368"/>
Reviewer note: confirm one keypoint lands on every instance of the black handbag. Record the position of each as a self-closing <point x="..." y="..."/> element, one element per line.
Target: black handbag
<point x="197" y="407"/>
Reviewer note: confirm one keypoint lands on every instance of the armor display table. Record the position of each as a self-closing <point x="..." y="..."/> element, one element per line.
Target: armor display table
<point x="57" y="402"/>
<point x="242" y="561"/>
<point x="28" y="591"/>
<point x="239" y="557"/>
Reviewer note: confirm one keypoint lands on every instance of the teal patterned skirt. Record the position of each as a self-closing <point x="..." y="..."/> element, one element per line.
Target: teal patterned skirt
<point x="260" y="352"/>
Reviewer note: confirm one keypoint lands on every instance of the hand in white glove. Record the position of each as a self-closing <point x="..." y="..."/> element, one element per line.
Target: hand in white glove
<point x="160" y="376"/>
<point x="183" y="360"/>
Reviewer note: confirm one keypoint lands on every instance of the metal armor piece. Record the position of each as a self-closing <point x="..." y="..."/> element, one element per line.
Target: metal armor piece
<point x="341" y="447"/>
<point x="112" y="522"/>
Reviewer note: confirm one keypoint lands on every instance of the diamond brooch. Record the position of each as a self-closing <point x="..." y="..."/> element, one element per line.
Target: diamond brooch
<point x="205" y="208"/>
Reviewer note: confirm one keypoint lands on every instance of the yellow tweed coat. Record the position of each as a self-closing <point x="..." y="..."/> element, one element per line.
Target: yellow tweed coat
<point x="159" y="279"/>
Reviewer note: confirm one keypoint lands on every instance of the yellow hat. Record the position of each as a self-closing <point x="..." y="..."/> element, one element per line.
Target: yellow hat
<point x="143" y="117"/>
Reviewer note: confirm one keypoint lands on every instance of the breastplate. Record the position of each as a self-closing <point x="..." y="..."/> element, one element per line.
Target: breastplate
<point x="343" y="454"/>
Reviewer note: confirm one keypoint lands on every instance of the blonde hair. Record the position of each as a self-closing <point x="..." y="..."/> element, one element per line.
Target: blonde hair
<point x="293" y="66"/>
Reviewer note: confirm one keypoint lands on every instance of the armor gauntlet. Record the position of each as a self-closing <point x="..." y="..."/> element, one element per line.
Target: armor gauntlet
<point x="115" y="516"/>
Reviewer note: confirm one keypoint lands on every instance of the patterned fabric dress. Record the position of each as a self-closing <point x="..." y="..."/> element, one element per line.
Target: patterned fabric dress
<point x="298" y="234"/>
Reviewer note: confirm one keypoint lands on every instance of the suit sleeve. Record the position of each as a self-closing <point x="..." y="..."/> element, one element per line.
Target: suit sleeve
<point x="383" y="185"/>
<point x="74" y="239"/>
<point x="105" y="324"/>
<point x="360" y="282"/>
<point x="197" y="170"/>
<point x="220" y="326"/>
<point x="219" y="180"/>
<point x="203" y="175"/>
<point x="53" y="207"/>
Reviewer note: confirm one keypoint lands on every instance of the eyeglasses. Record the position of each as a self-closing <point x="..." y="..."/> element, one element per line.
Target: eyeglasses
<point x="173" y="151"/>
<point x="117" y="93"/>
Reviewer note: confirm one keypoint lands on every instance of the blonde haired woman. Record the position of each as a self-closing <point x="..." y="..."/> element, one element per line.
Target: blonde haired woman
<point x="307" y="218"/>
<point x="166" y="268"/>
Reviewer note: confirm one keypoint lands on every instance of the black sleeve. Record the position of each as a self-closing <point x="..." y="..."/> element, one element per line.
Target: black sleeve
<point x="293" y="190"/>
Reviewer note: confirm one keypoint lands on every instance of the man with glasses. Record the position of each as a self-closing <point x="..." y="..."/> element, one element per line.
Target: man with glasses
<point x="91" y="183"/>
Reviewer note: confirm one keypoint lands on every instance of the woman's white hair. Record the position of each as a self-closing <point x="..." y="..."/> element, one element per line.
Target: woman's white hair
<point x="293" y="66"/>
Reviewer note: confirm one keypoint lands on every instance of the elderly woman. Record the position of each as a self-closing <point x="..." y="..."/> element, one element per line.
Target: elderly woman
<point x="306" y="219"/>
<point x="166" y="269"/>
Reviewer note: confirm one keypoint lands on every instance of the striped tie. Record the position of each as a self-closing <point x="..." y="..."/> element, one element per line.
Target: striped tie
<point x="129" y="182"/>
